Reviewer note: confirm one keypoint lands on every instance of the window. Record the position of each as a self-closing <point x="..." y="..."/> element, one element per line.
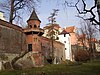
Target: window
<point x="35" y="39"/>
<point x="35" y="26"/>
<point x="64" y="41"/>
<point x="65" y="48"/>
<point x="57" y="38"/>
<point x="29" y="47"/>
<point x="30" y="26"/>
<point x="64" y="35"/>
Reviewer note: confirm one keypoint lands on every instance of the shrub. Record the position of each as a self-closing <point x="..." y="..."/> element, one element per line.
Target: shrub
<point x="82" y="55"/>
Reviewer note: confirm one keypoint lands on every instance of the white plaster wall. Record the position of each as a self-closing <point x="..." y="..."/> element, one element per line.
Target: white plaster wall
<point x="68" y="53"/>
<point x="2" y="16"/>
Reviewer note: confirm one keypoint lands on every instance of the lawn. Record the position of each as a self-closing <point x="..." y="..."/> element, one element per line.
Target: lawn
<point x="92" y="68"/>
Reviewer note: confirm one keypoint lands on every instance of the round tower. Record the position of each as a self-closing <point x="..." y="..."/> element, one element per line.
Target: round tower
<point x="33" y="33"/>
<point x="33" y="21"/>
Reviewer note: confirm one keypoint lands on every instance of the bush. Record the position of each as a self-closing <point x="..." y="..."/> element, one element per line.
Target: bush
<point x="82" y="55"/>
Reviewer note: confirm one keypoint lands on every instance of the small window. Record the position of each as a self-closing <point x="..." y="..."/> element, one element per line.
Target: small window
<point x="57" y="38"/>
<point x="29" y="47"/>
<point x="64" y="41"/>
<point x="65" y="48"/>
<point x="30" y="26"/>
<point x="64" y="35"/>
<point x="35" y="26"/>
<point x="35" y="39"/>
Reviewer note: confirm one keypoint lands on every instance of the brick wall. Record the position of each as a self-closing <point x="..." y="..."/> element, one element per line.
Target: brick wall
<point x="59" y="53"/>
<point x="12" y="38"/>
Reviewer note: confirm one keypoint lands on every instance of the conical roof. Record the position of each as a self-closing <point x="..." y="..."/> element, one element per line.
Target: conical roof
<point x="34" y="16"/>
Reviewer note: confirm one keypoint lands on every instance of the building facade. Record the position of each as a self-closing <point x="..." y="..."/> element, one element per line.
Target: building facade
<point x="12" y="41"/>
<point x="33" y="33"/>
<point x="40" y="47"/>
<point x="64" y="37"/>
<point x="2" y="15"/>
<point x="15" y="40"/>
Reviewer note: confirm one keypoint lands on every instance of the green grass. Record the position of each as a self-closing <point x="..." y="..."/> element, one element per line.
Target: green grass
<point x="60" y="69"/>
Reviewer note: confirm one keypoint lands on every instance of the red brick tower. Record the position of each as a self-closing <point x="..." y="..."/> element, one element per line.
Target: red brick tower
<point x="33" y="33"/>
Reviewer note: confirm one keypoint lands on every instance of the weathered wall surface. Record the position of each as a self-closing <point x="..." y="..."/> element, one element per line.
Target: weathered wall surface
<point x="12" y="38"/>
<point x="59" y="52"/>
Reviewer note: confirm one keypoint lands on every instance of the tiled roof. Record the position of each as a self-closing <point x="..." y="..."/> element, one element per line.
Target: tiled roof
<point x="34" y="16"/>
<point x="64" y="32"/>
<point x="82" y="36"/>
<point x="70" y="29"/>
<point x="93" y="39"/>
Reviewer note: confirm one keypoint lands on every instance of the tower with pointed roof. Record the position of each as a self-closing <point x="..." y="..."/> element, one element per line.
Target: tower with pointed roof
<point x="33" y="33"/>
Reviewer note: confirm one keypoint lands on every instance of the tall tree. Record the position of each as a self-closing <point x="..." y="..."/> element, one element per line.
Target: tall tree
<point x="16" y="6"/>
<point x="90" y="33"/>
<point x="52" y="20"/>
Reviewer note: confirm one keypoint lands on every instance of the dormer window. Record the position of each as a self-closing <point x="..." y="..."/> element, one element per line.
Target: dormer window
<point x="35" y="26"/>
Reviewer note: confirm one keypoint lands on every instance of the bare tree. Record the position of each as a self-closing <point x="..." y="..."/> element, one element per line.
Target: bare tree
<point x="14" y="7"/>
<point x="90" y="32"/>
<point x="52" y="20"/>
<point x="84" y="10"/>
<point x="81" y="38"/>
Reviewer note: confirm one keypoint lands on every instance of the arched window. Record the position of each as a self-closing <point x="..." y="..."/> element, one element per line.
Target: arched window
<point x="30" y="26"/>
<point x="35" y="26"/>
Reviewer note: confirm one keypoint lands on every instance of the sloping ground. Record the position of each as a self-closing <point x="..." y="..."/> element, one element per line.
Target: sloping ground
<point x="61" y="69"/>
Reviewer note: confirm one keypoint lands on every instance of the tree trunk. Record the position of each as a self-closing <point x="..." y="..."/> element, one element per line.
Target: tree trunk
<point x="11" y="11"/>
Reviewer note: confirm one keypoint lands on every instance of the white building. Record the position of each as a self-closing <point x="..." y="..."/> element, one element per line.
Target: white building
<point x="64" y="37"/>
<point x="97" y="47"/>
<point x="52" y="30"/>
<point x="2" y="15"/>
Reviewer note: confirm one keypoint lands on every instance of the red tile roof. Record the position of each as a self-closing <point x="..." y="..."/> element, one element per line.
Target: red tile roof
<point x="70" y="29"/>
<point x="93" y="39"/>
<point x="64" y="32"/>
<point x="82" y="36"/>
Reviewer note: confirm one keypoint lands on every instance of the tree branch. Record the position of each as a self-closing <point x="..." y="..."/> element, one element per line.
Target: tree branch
<point x="85" y="11"/>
